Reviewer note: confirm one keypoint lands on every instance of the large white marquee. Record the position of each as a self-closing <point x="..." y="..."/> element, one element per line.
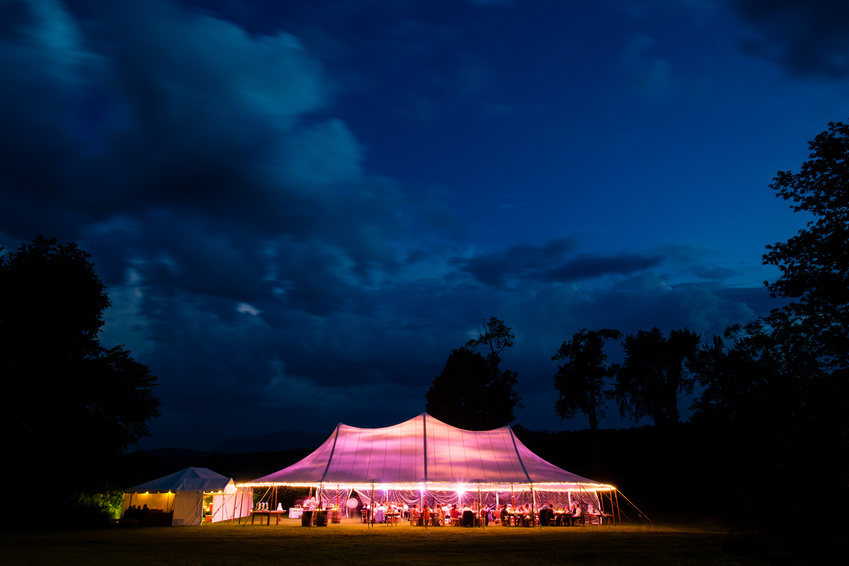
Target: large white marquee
<point x="426" y="454"/>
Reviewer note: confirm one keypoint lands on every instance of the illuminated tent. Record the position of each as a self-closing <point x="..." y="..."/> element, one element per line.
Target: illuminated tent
<point x="426" y="457"/>
<point x="182" y="494"/>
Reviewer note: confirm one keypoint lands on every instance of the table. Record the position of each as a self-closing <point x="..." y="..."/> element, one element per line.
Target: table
<point x="295" y="512"/>
<point x="269" y="514"/>
<point x="563" y="518"/>
<point x="599" y="517"/>
<point x="514" y="519"/>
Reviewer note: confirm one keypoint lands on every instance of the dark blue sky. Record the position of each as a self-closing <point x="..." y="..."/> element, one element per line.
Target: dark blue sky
<point x="299" y="208"/>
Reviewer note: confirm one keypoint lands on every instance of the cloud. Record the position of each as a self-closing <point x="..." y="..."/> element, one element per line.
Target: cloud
<point x="807" y="38"/>
<point x="521" y="263"/>
<point x="253" y="259"/>
<point x="646" y="74"/>
<point x="586" y="267"/>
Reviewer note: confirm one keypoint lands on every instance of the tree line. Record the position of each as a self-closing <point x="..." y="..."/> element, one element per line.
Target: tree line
<point x="771" y="418"/>
<point x="772" y="410"/>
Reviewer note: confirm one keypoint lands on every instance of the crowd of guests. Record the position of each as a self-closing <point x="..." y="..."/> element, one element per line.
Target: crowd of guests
<point x="465" y="515"/>
<point x="136" y="513"/>
<point x="560" y="516"/>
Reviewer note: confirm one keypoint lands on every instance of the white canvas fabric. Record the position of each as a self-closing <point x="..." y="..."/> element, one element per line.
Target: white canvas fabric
<point x="424" y="453"/>
<point x="190" y="479"/>
<point x="182" y="492"/>
<point x="229" y="506"/>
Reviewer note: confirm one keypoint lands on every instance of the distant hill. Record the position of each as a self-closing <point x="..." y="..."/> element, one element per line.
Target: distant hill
<point x="286" y="439"/>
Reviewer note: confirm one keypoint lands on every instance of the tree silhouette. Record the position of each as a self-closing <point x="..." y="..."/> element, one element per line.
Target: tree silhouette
<point x="776" y="388"/>
<point x="582" y="381"/>
<point x="814" y="263"/>
<point x="69" y="399"/>
<point x="653" y="375"/>
<point x="472" y="391"/>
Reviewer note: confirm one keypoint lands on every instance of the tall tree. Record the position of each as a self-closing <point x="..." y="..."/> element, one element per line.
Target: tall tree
<point x="654" y="374"/>
<point x="472" y="391"/>
<point x="814" y="263"/>
<point x="778" y="386"/>
<point x="69" y="399"/>
<point x="582" y="381"/>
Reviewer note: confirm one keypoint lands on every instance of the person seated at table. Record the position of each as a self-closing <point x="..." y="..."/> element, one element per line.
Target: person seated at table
<point x="486" y="515"/>
<point x="542" y="513"/>
<point x="439" y="519"/>
<point x="505" y="516"/>
<point x="559" y="514"/>
<point x="575" y="514"/>
<point x="527" y="516"/>
<point x="468" y="516"/>
<point x="142" y="514"/>
<point x="455" y="515"/>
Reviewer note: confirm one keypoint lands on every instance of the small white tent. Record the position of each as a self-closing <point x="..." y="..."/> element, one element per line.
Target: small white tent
<point x="181" y="495"/>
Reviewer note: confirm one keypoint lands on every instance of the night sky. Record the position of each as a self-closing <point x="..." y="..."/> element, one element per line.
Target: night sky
<point x="299" y="208"/>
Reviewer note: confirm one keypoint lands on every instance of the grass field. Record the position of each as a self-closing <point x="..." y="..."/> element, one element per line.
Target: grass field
<point x="689" y="543"/>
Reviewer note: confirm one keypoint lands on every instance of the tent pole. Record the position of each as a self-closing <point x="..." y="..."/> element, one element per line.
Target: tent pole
<point x="533" y="506"/>
<point x="614" y="508"/>
<point x="601" y="505"/>
<point x="239" y="518"/>
<point x="632" y="505"/>
<point x="480" y="508"/>
<point x="243" y="503"/>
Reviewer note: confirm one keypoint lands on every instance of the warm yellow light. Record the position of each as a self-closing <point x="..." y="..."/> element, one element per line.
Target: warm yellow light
<point x="448" y="486"/>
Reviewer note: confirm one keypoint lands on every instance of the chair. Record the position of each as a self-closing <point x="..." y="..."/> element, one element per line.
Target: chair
<point x="468" y="518"/>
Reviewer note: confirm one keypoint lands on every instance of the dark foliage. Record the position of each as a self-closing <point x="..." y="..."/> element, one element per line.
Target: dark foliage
<point x="654" y="374"/>
<point x="472" y="391"/>
<point x="814" y="263"/>
<point x="776" y="388"/>
<point x="582" y="381"/>
<point x="467" y="394"/>
<point x="72" y="406"/>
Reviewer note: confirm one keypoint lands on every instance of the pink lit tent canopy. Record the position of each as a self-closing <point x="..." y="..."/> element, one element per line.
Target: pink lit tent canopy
<point x="424" y="455"/>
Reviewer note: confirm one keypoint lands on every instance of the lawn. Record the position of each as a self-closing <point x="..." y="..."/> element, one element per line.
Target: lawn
<point x="688" y="543"/>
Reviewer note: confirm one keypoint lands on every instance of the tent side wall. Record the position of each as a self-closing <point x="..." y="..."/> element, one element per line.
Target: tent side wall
<point x="188" y="508"/>
<point x="229" y="506"/>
